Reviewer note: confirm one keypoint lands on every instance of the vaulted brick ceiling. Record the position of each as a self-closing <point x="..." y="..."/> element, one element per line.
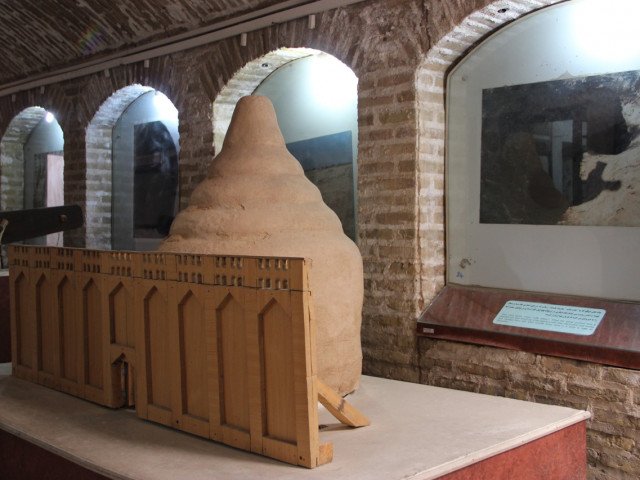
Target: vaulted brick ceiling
<point x="40" y="35"/>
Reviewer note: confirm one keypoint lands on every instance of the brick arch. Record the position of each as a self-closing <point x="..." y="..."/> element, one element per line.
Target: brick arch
<point x="431" y="123"/>
<point x="245" y="81"/>
<point x="333" y="35"/>
<point x="161" y="75"/>
<point x="98" y="141"/>
<point x="12" y="157"/>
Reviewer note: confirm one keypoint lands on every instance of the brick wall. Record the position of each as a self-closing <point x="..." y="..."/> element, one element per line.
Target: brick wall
<point x="400" y="50"/>
<point x="611" y="394"/>
<point x="390" y="43"/>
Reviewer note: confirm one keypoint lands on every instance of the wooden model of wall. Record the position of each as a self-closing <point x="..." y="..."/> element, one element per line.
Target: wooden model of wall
<point x="218" y="346"/>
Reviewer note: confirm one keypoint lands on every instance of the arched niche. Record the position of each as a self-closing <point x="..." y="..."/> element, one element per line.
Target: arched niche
<point x="431" y="123"/>
<point x="543" y="155"/>
<point x="132" y="170"/>
<point x="315" y="99"/>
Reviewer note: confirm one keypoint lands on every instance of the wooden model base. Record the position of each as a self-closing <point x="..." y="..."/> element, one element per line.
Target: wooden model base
<point x="222" y="347"/>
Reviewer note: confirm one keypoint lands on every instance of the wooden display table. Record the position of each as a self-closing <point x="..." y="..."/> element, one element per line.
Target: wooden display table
<point x="417" y="432"/>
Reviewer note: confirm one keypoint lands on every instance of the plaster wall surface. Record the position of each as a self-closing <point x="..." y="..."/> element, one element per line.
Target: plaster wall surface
<point x="400" y="50"/>
<point x="304" y="106"/>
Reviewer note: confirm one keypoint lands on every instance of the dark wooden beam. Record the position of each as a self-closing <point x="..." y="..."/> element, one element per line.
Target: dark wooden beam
<point x="25" y="224"/>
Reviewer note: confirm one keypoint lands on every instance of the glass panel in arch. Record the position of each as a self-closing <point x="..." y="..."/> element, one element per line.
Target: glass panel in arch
<point x="155" y="180"/>
<point x="543" y="166"/>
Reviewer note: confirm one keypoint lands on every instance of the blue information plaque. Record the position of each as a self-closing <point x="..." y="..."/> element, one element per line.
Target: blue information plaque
<point x="549" y="317"/>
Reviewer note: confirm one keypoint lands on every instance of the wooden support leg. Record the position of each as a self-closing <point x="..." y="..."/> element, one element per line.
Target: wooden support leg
<point x="339" y="407"/>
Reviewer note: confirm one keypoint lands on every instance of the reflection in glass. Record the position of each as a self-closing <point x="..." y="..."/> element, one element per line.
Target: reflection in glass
<point x="155" y="180"/>
<point x="562" y="152"/>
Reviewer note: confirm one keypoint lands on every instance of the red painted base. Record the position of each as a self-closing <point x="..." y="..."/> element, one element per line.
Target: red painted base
<point x="21" y="460"/>
<point x="558" y="456"/>
<point x="466" y="314"/>
<point x="5" y="321"/>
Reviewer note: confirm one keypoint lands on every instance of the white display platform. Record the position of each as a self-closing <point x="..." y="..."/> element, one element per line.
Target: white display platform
<point x="417" y="432"/>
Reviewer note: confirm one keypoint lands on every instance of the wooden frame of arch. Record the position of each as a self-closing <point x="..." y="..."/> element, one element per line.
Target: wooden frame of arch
<point x="218" y="346"/>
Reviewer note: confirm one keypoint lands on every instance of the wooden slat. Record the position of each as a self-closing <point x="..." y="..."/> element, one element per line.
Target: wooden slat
<point x="93" y="346"/>
<point x="339" y="407"/>
<point x="118" y="304"/>
<point x="46" y="322"/>
<point x="232" y="379"/>
<point x="195" y="425"/>
<point x="118" y="336"/>
<point x="23" y="325"/>
<point x="31" y="306"/>
<point x="325" y="454"/>
<point x="15" y="273"/>
<point x="254" y="371"/>
<point x="305" y="393"/>
<point x="191" y="389"/>
<point x="277" y="365"/>
<point x="69" y="332"/>
<point x="213" y="372"/>
<point x="231" y="335"/>
<point x="46" y="327"/>
<point x="160" y="415"/>
<point x="280" y="450"/>
<point x="155" y="341"/>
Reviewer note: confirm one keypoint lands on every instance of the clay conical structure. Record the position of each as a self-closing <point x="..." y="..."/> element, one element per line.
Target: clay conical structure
<point x="257" y="201"/>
